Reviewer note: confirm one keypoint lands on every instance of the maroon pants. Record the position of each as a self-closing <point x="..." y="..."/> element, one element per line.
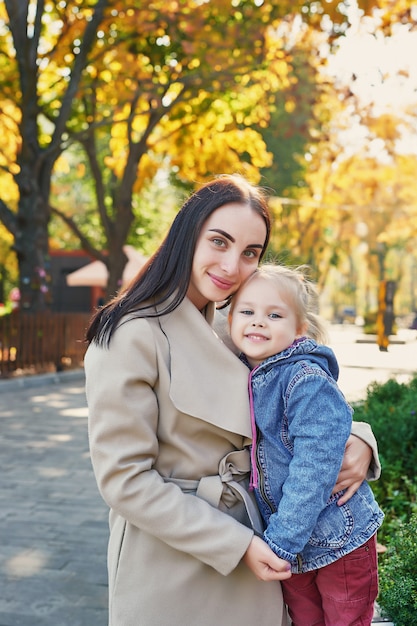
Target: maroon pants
<point x="340" y="594"/>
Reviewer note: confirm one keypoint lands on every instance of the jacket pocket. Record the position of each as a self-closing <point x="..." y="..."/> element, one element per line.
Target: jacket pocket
<point x="334" y="526"/>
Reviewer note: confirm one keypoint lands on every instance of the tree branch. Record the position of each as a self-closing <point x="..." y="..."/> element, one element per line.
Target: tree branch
<point x="85" y="242"/>
<point x="8" y="218"/>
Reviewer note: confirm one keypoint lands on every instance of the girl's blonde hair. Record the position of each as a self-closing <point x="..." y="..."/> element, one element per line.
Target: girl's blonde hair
<point x="301" y="293"/>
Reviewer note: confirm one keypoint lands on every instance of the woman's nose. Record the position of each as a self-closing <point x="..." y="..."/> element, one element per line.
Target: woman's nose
<point x="230" y="263"/>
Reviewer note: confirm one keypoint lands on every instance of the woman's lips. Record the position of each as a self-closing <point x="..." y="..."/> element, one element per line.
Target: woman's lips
<point x="221" y="283"/>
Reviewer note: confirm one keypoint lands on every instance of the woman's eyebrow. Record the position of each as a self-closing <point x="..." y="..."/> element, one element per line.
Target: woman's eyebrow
<point x="224" y="233"/>
<point x="232" y="239"/>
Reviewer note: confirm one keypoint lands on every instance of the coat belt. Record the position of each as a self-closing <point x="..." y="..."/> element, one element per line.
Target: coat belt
<point x="226" y="486"/>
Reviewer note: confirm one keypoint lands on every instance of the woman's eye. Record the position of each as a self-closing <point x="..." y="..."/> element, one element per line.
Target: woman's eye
<point x="250" y="254"/>
<point x="218" y="242"/>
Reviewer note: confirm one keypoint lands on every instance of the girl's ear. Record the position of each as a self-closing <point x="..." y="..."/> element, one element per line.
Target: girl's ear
<point x="302" y="329"/>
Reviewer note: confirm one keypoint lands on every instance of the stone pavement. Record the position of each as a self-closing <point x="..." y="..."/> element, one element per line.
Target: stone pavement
<point x="53" y="523"/>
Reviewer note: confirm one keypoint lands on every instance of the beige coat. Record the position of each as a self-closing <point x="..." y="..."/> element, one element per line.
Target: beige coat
<point x="167" y="402"/>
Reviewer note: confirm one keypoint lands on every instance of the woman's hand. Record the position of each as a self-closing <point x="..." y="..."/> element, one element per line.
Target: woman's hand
<point x="358" y="456"/>
<point x="264" y="563"/>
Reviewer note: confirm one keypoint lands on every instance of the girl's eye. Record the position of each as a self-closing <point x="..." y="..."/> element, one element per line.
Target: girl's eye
<point x="274" y="316"/>
<point x="246" y="312"/>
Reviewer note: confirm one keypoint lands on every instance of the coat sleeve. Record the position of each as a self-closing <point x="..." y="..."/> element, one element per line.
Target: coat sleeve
<point x="123" y="422"/>
<point x="364" y="432"/>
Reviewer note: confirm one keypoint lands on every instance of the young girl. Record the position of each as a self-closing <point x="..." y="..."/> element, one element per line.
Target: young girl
<point x="302" y="425"/>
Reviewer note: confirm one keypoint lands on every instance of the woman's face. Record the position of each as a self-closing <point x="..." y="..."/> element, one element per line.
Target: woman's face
<point x="227" y="252"/>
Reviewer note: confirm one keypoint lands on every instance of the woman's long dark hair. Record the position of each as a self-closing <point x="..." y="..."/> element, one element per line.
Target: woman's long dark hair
<point x="166" y="275"/>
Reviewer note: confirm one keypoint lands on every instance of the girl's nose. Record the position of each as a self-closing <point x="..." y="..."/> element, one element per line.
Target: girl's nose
<point x="258" y="322"/>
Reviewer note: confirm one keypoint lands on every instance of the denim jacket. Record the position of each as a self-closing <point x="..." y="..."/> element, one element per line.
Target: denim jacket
<point x="302" y="424"/>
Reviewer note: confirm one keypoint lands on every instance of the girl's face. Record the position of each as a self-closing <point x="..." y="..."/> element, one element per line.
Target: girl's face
<point x="227" y="252"/>
<point x="262" y="322"/>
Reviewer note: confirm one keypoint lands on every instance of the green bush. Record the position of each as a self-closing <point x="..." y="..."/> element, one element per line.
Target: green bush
<point x="391" y="409"/>
<point x="398" y="576"/>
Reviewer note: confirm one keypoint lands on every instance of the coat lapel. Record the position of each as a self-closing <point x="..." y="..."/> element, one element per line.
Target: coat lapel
<point x="207" y="380"/>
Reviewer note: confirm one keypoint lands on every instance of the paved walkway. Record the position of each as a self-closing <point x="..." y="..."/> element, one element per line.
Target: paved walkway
<point x="361" y="362"/>
<point x="53" y="523"/>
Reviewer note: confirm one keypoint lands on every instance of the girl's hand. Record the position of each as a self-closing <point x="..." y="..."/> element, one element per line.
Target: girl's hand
<point x="264" y="563"/>
<point x="358" y="456"/>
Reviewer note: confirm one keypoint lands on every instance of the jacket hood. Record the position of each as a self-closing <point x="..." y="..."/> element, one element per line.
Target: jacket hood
<point x="302" y="348"/>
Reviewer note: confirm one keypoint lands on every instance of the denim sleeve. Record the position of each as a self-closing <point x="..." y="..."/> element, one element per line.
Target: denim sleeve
<point x="319" y="424"/>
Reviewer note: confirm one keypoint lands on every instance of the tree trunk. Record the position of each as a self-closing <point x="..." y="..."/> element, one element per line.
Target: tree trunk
<point x="31" y="241"/>
<point x="117" y="262"/>
<point x="36" y="158"/>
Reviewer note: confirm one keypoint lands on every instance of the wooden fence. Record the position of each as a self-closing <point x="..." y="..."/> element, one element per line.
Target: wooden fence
<point x="32" y="343"/>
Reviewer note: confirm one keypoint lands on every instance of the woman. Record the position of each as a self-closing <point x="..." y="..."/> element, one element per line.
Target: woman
<point x="169" y="422"/>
